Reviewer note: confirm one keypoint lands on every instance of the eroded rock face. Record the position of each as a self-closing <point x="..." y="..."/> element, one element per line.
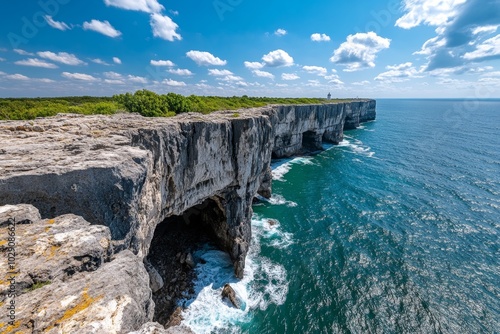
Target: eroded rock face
<point x="64" y="279"/>
<point x="129" y="173"/>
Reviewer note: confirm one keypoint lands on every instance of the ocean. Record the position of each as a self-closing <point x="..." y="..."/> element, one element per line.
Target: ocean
<point x="395" y="230"/>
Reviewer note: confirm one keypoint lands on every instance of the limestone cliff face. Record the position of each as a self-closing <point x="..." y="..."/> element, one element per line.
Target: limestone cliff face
<point x="130" y="173"/>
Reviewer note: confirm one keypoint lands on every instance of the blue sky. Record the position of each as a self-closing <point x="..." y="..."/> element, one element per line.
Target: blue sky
<point x="377" y="48"/>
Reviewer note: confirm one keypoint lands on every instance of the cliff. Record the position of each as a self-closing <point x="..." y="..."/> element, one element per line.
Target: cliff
<point x="130" y="173"/>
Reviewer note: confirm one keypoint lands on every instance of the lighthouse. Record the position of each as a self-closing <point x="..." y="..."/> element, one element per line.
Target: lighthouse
<point x="329" y="96"/>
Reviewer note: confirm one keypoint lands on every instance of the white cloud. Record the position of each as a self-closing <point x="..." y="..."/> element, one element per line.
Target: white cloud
<point x="101" y="27"/>
<point x="216" y="72"/>
<point x="174" y="83"/>
<point x="137" y="79"/>
<point x="313" y="83"/>
<point x="488" y="48"/>
<point x="399" y="73"/>
<point x="23" y="53"/>
<point x="331" y="77"/>
<point x="289" y="76"/>
<point x="61" y="57"/>
<point x="485" y="29"/>
<point x="255" y="65"/>
<point x="162" y="63"/>
<point x="361" y="83"/>
<point x="117" y="60"/>
<point x="430" y="12"/>
<point x="277" y="58"/>
<point x="174" y="12"/>
<point x="360" y="51"/>
<point x="113" y="75"/>
<point x="205" y="58"/>
<point x="431" y="45"/>
<point x="164" y="27"/>
<point x="263" y="74"/>
<point x="231" y="78"/>
<point x="464" y="31"/>
<point x="179" y="71"/>
<point x="321" y="71"/>
<point x="148" y="6"/>
<point x="280" y="32"/>
<point x="79" y="76"/>
<point x="2" y="59"/>
<point x="57" y="25"/>
<point x="114" y="82"/>
<point x="320" y="37"/>
<point x="17" y="77"/>
<point x="35" y="62"/>
<point x="99" y="61"/>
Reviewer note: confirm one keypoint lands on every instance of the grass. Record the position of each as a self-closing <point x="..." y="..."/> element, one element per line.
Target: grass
<point x="145" y="102"/>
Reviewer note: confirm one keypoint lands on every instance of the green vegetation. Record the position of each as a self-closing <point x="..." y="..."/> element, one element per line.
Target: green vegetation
<point x="37" y="285"/>
<point x="44" y="107"/>
<point x="144" y="102"/>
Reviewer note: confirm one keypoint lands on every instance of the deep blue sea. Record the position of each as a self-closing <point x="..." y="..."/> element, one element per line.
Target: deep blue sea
<point x="395" y="230"/>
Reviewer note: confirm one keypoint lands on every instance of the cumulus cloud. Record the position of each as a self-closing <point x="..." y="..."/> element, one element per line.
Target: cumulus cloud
<point x="61" y="57"/>
<point x="35" y="62"/>
<point x="216" y="72"/>
<point x="280" y="32"/>
<point x="399" y="73"/>
<point x="320" y="37"/>
<point x="490" y="48"/>
<point x="361" y="83"/>
<point x="148" y="6"/>
<point x="253" y="65"/>
<point x="263" y="74"/>
<point x="464" y="31"/>
<point x="137" y="79"/>
<point x="360" y="51"/>
<point x="179" y="71"/>
<point x="203" y="58"/>
<point x="164" y="27"/>
<point x="315" y="70"/>
<point x="231" y="78"/>
<point x="277" y="58"/>
<point x="117" y="60"/>
<point x="23" y="53"/>
<point x="167" y="63"/>
<point x="114" y="82"/>
<point x="113" y="75"/>
<point x="174" y="83"/>
<point x="102" y="27"/>
<point x="17" y="77"/>
<point x="55" y="24"/>
<point x="99" y="61"/>
<point x="429" y="12"/>
<point x="289" y="76"/>
<point x="79" y="76"/>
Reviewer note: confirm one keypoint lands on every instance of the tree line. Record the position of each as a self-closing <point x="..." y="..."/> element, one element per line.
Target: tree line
<point x="144" y="102"/>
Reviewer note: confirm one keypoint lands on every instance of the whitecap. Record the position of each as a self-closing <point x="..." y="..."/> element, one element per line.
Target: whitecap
<point x="264" y="283"/>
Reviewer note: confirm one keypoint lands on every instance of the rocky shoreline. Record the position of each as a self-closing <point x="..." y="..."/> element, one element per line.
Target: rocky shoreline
<point x="111" y="208"/>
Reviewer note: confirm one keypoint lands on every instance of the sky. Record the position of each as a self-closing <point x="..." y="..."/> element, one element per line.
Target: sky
<point x="356" y="48"/>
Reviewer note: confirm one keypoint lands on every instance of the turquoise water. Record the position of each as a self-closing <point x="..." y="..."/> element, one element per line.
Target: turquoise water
<point x="396" y="230"/>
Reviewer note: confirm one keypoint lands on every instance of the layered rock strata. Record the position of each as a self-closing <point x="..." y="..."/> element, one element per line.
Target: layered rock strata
<point x="128" y="173"/>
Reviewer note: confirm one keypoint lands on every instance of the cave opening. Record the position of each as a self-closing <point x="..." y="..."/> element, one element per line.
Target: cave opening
<point x="171" y="255"/>
<point x="311" y="142"/>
